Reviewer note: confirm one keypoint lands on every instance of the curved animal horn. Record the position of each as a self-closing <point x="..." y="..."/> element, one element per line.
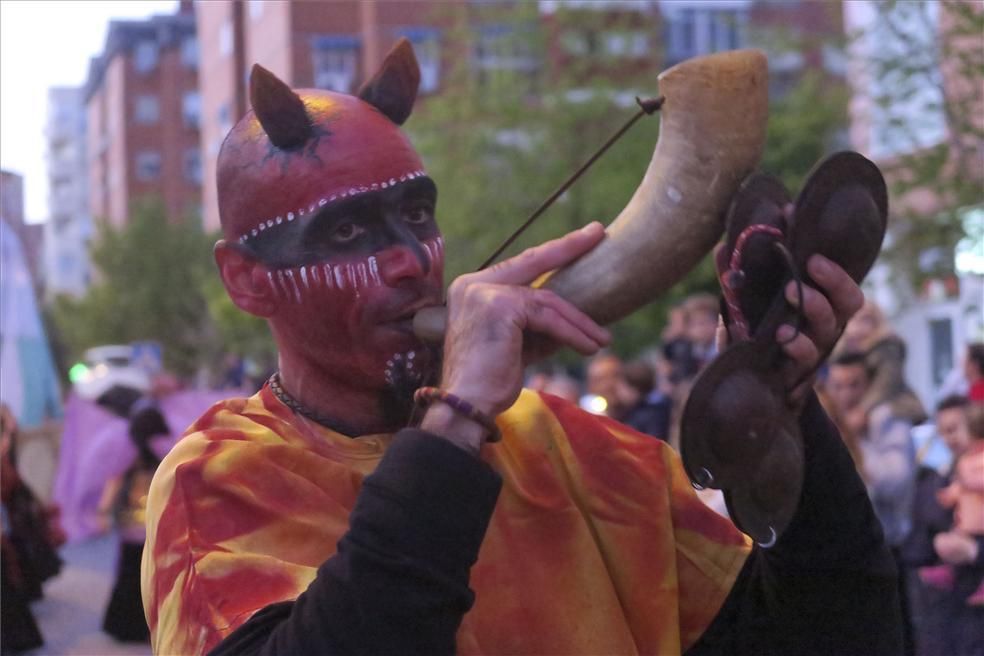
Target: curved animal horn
<point x="278" y="109"/>
<point x="711" y="137"/>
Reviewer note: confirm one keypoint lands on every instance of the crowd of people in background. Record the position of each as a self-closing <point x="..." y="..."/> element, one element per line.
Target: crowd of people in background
<point x="924" y="474"/>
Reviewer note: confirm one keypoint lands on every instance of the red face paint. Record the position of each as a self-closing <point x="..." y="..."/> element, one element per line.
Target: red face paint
<point x="343" y="220"/>
<point x="348" y="282"/>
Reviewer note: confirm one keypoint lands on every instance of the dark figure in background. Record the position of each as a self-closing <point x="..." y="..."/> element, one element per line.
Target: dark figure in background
<point x="31" y="534"/>
<point x="650" y="411"/>
<point x="602" y="377"/>
<point x="677" y="350"/>
<point x="945" y="624"/>
<point x="869" y="332"/>
<point x="845" y="385"/>
<point x="974" y="371"/>
<point x="126" y="499"/>
<point x="702" y="322"/>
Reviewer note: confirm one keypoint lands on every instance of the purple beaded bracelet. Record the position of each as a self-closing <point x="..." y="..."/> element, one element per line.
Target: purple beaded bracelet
<point x="427" y="395"/>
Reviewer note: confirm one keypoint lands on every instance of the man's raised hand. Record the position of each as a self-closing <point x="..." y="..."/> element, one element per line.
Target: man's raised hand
<point x="492" y="312"/>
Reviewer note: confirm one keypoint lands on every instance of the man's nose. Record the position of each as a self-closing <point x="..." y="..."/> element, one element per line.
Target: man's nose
<point x="402" y="261"/>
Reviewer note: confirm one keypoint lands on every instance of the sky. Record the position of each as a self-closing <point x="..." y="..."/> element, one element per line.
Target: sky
<point x="43" y="44"/>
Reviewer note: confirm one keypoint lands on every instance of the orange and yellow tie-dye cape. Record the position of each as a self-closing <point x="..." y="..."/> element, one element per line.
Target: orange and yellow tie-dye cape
<point x="598" y="543"/>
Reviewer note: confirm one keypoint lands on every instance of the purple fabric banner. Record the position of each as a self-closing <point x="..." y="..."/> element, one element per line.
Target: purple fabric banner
<point x="95" y="448"/>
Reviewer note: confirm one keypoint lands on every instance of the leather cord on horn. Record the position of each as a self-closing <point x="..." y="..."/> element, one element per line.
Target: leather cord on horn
<point x="646" y="107"/>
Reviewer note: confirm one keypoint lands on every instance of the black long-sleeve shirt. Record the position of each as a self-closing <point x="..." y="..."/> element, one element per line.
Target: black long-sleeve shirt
<point x="399" y="580"/>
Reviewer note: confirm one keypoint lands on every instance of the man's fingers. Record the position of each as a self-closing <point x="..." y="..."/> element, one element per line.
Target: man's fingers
<point x="800" y="349"/>
<point x="529" y="265"/>
<point x="548" y="314"/>
<point x="571" y="314"/>
<point x="820" y="322"/>
<point x="845" y="296"/>
<point x="548" y="322"/>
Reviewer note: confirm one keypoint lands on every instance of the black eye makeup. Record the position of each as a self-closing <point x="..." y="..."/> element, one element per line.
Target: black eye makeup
<point x="360" y="225"/>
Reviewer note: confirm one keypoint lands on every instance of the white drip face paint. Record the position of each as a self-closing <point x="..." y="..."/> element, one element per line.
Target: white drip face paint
<point x="283" y="283"/>
<point x="434" y="248"/>
<point x="293" y="283"/>
<point x="374" y="270"/>
<point x="351" y="277"/>
<point x="273" y="285"/>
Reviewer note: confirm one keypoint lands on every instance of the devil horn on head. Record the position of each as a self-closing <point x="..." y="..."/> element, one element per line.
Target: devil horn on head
<point x="280" y="111"/>
<point x="393" y="89"/>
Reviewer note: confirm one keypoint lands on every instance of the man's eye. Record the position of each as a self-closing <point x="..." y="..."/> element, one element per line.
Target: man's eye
<point x="347" y="232"/>
<point x="417" y="215"/>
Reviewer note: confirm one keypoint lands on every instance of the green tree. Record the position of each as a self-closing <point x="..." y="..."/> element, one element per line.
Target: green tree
<point x="149" y="286"/>
<point x="238" y="332"/>
<point x="498" y="141"/>
<point x="922" y="65"/>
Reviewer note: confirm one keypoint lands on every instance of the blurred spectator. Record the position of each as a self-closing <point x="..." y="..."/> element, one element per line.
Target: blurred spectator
<point x="678" y="354"/>
<point x="702" y="322"/>
<point x="974" y="371"/>
<point x="945" y="623"/>
<point x="965" y="495"/>
<point x="886" y="454"/>
<point x="868" y="332"/>
<point x="647" y="408"/>
<point x="31" y="534"/>
<point x="233" y="372"/>
<point x="563" y="386"/>
<point x="537" y="378"/>
<point x="125" y="499"/>
<point x="604" y="372"/>
<point x="841" y="393"/>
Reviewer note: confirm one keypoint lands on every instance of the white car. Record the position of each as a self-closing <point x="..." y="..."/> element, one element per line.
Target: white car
<point x="108" y="367"/>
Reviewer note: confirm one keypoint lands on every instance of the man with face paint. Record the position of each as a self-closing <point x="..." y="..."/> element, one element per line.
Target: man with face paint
<point x="310" y="519"/>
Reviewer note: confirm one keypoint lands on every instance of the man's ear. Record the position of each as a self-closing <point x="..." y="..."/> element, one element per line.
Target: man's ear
<point x="245" y="280"/>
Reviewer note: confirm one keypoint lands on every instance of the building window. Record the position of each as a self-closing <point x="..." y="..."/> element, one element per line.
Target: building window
<point x="335" y="60"/>
<point x="504" y="47"/>
<point x="145" y="56"/>
<point x="702" y="28"/>
<point x="427" y="46"/>
<point x="255" y="9"/>
<point x="224" y="118"/>
<point x="189" y="52"/>
<point x="225" y="39"/>
<point x="193" y="166"/>
<point x="625" y="43"/>
<point x="191" y="106"/>
<point x="66" y="264"/>
<point x="146" y="109"/>
<point x="904" y="116"/>
<point x="148" y="165"/>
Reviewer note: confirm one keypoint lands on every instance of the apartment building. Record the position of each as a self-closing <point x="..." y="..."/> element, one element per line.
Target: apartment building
<point x="68" y="228"/>
<point x="31" y="235"/>
<point x="933" y="113"/>
<point x="329" y="45"/>
<point x="798" y="35"/>
<point x="142" y="114"/>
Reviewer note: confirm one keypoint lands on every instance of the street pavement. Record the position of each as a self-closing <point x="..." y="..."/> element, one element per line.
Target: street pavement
<point x="70" y="615"/>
